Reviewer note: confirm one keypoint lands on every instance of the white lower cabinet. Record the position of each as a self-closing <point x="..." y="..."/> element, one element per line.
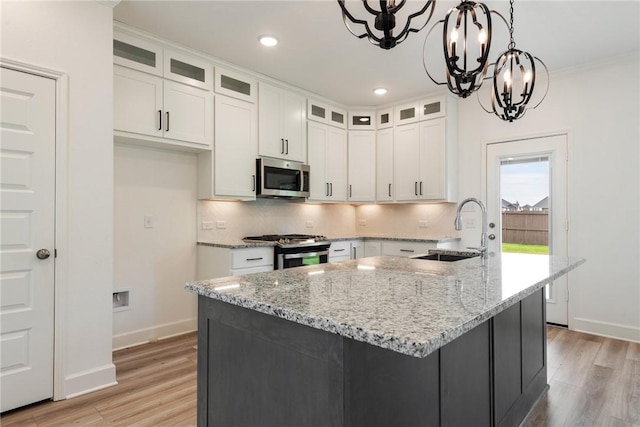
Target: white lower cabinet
<point x="340" y="251"/>
<point x="160" y="111"/>
<point x="222" y="262"/>
<point x="372" y="248"/>
<point x="406" y="249"/>
<point x="345" y="250"/>
<point x="228" y="172"/>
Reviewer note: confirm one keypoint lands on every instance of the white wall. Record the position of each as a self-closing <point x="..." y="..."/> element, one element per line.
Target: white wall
<point x="272" y="216"/>
<point x="599" y="107"/>
<point x="76" y="38"/>
<point x="154" y="263"/>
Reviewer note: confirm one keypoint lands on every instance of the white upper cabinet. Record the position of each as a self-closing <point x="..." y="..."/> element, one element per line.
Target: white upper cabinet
<point x="362" y="166"/>
<point x="188" y="69"/>
<point x="133" y="52"/>
<point x="362" y="120"/>
<point x="424" y="169"/>
<point x="324" y="113"/>
<point x="408" y="113"/>
<point x="236" y="85"/>
<point x="149" y="106"/>
<point x="433" y="108"/>
<point x="228" y="172"/>
<point x="161" y="95"/>
<point x="144" y="55"/>
<point x="385" y="118"/>
<point x="384" y="165"/>
<point x="328" y="163"/>
<point x="281" y="123"/>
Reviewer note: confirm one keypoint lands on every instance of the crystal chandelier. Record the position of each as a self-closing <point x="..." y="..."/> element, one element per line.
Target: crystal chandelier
<point x="466" y="42"/>
<point x="514" y="80"/>
<point x="385" y="22"/>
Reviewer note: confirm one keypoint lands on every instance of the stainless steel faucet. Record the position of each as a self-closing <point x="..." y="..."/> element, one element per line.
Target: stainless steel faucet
<point x="483" y="237"/>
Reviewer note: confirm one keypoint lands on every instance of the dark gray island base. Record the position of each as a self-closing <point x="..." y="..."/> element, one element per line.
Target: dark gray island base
<point x="259" y="369"/>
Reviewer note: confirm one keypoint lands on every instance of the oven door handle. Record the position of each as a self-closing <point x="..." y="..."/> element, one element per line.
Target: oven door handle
<point x="304" y="255"/>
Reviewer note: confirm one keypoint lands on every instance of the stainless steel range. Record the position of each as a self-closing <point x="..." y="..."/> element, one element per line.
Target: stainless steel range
<point x="295" y="250"/>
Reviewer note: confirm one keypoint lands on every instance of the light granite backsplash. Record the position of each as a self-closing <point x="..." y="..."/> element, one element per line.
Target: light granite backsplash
<point x="271" y="216"/>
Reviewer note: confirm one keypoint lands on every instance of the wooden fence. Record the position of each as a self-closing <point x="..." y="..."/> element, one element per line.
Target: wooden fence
<point x="525" y="228"/>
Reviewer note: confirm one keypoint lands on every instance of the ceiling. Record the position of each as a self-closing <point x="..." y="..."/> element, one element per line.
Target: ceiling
<point x="318" y="54"/>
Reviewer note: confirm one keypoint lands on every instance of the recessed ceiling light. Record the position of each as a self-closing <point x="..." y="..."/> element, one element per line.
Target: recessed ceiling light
<point x="380" y="91"/>
<point x="268" y="40"/>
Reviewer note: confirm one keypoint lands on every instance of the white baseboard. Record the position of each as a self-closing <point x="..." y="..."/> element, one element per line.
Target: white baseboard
<point x="606" y="329"/>
<point x="89" y="381"/>
<point x="154" y="333"/>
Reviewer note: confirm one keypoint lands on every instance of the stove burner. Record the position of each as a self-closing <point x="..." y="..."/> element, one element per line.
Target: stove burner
<point x="288" y="239"/>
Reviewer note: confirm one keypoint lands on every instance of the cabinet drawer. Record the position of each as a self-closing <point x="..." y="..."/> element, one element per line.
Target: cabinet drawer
<point x="249" y="270"/>
<point x="338" y="249"/>
<point x="405" y="249"/>
<point x="251" y="257"/>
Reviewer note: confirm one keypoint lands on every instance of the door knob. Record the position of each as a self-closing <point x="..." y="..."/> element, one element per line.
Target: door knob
<point x="492" y="225"/>
<point x="43" y="254"/>
<point x="492" y="236"/>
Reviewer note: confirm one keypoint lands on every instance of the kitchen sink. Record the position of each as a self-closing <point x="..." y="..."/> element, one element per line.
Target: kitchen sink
<point x="446" y="257"/>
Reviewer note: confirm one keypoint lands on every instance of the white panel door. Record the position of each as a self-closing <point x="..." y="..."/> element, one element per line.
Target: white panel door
<point x="27" y="195"/>
<point x="522" y="167"/>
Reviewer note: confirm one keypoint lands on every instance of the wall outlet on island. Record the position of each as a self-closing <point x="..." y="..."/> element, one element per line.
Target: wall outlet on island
<point x="207" y="225"/>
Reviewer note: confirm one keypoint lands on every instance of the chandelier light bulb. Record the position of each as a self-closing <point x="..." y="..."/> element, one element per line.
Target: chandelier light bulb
<point x="528" y="75"/>
<point x="454" y="35"/>
<point x="482" y="36"/>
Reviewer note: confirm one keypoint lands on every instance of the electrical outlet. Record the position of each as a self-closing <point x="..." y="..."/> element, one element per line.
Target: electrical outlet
<point x="148" y="221"/>
<point x="423" y="223"/>
<point x="221" y="225"/>
<point x="207" y="225"/>
<point x="362" y="222"/>
<point x="309" y="224"/>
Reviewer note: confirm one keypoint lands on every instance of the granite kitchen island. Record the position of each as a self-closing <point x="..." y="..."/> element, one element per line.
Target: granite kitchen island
<point x="381" y="341"/>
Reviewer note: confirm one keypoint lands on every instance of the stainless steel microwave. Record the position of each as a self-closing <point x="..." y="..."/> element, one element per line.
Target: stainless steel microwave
<point x="281" y="178"/>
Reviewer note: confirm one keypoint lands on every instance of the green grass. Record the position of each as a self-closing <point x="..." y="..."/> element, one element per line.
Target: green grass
<point x="525" y="249"/>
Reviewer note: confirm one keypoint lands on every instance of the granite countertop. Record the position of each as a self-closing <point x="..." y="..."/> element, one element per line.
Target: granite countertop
<point x="406" y="305"/>
<point x="239" y="243"/>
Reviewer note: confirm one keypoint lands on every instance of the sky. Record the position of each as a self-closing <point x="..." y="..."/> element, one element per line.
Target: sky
<point x="526" y="183"/>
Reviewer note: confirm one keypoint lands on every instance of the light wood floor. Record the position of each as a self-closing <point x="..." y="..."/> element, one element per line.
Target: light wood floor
<point x="594" y="382"/>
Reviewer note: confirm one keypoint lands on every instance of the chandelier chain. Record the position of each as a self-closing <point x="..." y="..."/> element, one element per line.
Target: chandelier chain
<point x="512" y="44"/>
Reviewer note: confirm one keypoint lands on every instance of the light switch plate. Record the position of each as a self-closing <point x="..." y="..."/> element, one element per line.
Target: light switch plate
<point x="148" y="221"/>
<point x="221" y="224"/>
<point x="207" y="225"/>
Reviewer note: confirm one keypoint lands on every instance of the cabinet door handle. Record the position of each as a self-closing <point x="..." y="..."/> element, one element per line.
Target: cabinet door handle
<point x="254" y="259"/>
<point x="331" y="189"/>
<point x="415" y="187"/>
<point x="407" y="250"/>
<point x="326" y="189"/>
<point x="281" y="145"/>
<point x="421" y="188"/>
<point x="159" y="119"/>
<point x="253" y="182"/>
<point x="339" y="250"/>
<point x="350" y="192"/>
<point x="286" y="151"/>
<point x="167" y="121"/>
<point x="389" y="190"/>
